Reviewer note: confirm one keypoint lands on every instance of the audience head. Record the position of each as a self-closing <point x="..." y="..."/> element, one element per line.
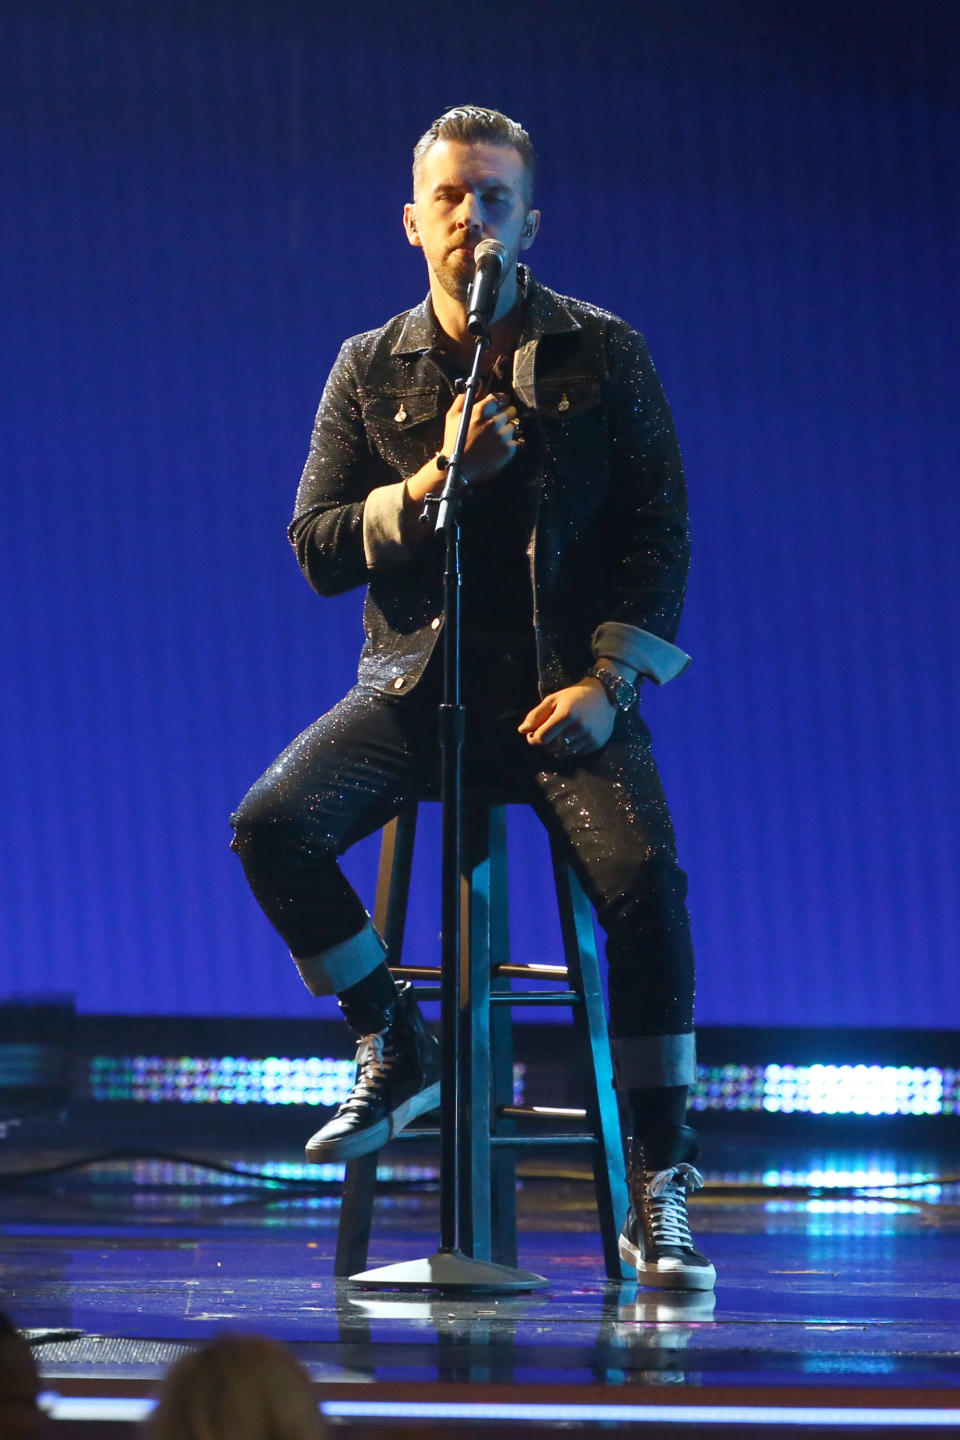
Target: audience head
<point x="237" y="1387"/>
<point x="20" y="1419"/>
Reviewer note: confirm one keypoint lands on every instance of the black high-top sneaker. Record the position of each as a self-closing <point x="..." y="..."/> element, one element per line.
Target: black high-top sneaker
<point x="398" y="1078"/>
<point x="656" y="1235"/>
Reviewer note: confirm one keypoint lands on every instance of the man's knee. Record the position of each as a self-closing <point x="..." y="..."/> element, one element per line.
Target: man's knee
<point x="653" y="884"/>
<point x="261" y="829"/>
<point x="247" y="831"/>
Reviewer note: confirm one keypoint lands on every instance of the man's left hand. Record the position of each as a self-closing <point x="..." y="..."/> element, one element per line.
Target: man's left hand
<point x="574" y="721"/>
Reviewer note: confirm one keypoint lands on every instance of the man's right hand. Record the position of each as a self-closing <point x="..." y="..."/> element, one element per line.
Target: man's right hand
<point x="491" y="439"/>
<point x="492" y="442"/>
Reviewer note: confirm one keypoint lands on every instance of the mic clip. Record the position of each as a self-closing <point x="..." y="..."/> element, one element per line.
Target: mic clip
<point x="429" y="501"/>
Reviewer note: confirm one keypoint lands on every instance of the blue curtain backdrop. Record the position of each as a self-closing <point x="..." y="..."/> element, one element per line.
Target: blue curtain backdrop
<point x="199" y="201"/>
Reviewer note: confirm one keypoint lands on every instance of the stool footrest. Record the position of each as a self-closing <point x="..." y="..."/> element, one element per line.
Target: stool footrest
<point x="541" y="1112"/>
<point x="532" y="972"/>
<point x="535" y="997"/>
<point x="497" y="997"/>
<point x="540" y="1137"/>
<point x="554" y="1137"/>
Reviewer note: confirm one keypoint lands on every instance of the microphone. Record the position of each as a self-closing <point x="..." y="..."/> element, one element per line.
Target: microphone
<point x="488" y="258"/>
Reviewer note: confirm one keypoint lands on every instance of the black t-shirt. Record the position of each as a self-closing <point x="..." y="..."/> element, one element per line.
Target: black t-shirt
<point x="496" y="523"/>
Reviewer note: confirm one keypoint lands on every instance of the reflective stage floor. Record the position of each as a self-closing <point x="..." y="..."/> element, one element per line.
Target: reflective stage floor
<point x="838" y="1297"/>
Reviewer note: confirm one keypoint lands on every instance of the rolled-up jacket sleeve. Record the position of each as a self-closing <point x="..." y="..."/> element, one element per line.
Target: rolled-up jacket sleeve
<point x="384" y="544"/>
<point x="650" y="656"/>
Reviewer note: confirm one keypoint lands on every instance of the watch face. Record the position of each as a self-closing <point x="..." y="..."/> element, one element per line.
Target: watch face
<point x="621" y="692"/>
<point x="624" y="694"/>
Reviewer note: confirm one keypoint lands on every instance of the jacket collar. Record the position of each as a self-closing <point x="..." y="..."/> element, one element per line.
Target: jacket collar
<point x="544" y="314"/>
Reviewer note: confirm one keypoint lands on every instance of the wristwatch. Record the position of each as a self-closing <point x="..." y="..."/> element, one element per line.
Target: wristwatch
<point x="621" y="694"/>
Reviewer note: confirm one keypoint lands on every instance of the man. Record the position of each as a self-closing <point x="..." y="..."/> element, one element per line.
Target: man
<point x="574" y="557"/>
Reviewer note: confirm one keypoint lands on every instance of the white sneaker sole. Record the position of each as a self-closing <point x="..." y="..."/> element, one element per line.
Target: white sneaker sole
<point x="361" y="1142"/>
<point x="668" y="1274"/>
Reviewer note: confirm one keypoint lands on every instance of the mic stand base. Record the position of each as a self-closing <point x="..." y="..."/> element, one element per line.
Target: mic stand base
<point x="450" y="1270"/>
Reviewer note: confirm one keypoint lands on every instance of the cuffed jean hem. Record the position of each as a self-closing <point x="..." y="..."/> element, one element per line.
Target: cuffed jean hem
<point x="642" y="1062"/>
<point x="344" y="965"/>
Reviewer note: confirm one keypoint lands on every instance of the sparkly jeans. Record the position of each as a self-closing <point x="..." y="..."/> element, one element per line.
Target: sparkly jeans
<point x="351" y="771"/>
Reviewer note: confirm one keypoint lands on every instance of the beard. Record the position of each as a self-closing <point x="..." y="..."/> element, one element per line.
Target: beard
<point x="455" y="273"/>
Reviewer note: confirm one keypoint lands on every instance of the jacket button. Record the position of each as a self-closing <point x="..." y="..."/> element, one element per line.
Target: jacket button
<point x="399" y="683"/>
<point x="435" y="623"/>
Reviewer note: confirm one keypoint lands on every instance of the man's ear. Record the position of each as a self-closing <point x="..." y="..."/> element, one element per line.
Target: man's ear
<point x="529" y="232"/>
<point x="410" y="224"/>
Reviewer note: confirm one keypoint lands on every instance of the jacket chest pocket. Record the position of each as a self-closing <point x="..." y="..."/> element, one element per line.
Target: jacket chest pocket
<point x="574" y="429"/>
<point x="565" y="399"/>
<point x="402" y="425"/>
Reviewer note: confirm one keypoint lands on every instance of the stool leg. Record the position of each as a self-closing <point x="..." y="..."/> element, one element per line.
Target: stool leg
<point x="393" y="881"/>
<point x="583" y="967"/>
<point x="474" y="1019"/>
<point x="389" y="917"/>
<point x="503" y="1160"/>
<point x="356" y="1215"/>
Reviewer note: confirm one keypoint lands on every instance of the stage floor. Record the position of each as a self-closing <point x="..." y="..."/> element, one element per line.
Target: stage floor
<point x="121" y="1265"/>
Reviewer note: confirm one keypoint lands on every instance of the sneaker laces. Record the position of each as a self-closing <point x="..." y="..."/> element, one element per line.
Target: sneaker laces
<point x="372" y="1060"/>
<point x="665" y="1202"/>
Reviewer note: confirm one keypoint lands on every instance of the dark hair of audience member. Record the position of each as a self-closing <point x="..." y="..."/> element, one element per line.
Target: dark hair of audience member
<point x="20" y="1419"/>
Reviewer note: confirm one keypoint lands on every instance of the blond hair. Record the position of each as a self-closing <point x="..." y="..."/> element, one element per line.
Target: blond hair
<point x="237" y="1387"/>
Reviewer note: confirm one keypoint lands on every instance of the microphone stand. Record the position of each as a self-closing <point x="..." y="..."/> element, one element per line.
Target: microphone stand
<point x="449" y="1268"/>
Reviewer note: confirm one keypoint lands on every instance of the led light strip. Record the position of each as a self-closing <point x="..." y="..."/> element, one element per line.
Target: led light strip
<point x="829" y="1089"/>
<point x="117" y="1408"/>
<point x="662" y="1414"/>
<point x="226" y="1080"/>
<point x="775" y="1089"/>
<point x="120" y="1409"/>
<point x="229" y="1080"/>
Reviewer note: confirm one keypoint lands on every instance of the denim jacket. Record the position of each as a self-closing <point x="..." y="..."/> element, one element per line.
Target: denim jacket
<point x="608" y="545"/>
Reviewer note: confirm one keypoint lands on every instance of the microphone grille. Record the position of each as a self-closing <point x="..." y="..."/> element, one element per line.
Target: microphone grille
<point x="490" y="247"/>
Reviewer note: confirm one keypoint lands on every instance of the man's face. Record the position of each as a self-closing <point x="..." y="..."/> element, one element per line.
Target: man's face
<point x="465" y="194"/>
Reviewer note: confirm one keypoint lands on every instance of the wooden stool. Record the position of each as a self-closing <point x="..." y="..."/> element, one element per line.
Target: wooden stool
<point x="488" y="1222"/>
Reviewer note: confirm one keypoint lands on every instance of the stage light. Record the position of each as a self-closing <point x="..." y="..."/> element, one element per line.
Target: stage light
<point x="228" y="1080"/>
<point x="818" y="1089"/>
<point x="847" y="1417"/>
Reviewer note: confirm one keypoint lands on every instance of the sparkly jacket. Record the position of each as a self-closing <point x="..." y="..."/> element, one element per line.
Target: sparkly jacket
<point x="608" y="543"/>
